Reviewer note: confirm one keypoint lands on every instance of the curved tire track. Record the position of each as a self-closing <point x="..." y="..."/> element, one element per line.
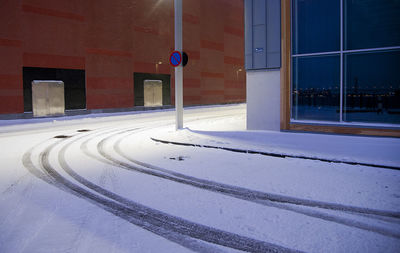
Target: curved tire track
<point x="173" y="228"/>
<point x="243" y="192"/>
<point x="267" y="199"/>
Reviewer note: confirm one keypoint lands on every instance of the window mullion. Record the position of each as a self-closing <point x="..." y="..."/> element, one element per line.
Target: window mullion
<point x="341" y="62"/>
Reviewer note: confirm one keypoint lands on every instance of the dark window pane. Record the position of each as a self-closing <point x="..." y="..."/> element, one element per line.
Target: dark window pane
<point x="315" y="26"/>
<point x="371" y="24"/>
<point x="372" y="87"/>
<point x="316" y="88"/>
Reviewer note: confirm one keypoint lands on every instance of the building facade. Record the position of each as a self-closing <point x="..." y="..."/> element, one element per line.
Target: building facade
<point x="104" y="51"/>
<point x="338" y="69"/>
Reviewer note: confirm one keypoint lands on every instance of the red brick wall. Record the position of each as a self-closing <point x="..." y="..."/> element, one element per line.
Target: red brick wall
<point x="113" y="39"/>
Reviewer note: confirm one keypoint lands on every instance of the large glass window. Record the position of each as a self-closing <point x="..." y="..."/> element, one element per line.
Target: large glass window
<point x="371" y="24"/>
<point x="316" y="26"/>
<point x="346" y="61"/>
<point x="372" y="87"/>
<point x="316" y="88"/>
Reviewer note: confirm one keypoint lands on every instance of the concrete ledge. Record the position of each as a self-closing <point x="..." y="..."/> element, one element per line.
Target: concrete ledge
<point x="29" y="115"/>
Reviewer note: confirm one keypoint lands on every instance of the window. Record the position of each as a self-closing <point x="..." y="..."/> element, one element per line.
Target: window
<point x="371" y="24"/>
<point x="316" y="26"/>
<point x="316" y="88"/>
<point x="372" y="91"/>
<point x="345" y="61"/>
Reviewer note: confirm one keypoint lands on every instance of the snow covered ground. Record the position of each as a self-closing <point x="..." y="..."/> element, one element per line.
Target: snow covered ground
<point x="100" y="183"/>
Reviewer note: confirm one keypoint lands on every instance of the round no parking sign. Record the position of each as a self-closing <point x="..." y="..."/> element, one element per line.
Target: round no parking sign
<point x="175" y="58"/>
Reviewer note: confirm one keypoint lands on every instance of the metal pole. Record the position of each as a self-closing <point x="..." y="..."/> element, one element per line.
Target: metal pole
<point x="179" y="69"/>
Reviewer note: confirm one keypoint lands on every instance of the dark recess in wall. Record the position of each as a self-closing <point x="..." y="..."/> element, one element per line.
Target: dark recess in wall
<point x="138" y="79"/>
<point x="74" y="85"/>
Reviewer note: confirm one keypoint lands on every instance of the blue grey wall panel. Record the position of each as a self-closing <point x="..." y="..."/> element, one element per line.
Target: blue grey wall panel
<point x="262" y="34"/>
<point x="259" y="7"/>
<point x="248" y="34"/>
<point x="259" y="46"/>
<point x="273" y="33"/>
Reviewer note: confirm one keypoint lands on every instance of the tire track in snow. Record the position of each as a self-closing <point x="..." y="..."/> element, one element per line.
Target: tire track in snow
<point x="251" y="194"/>
<point x="237" y="192"/>
<point x="50" y="176"/>
<point x="268" y="199"/>
<point x="81" y="237"/>
<point x="109" y="202"/>
<point x="176" y="224"/>
<point x="26" y="192"/>
<point x="188" y="234"/>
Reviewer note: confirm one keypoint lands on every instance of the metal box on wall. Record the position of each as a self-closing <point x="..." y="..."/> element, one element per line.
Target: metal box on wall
<point x="152" y="90"/>
<point x="48" y="98"/>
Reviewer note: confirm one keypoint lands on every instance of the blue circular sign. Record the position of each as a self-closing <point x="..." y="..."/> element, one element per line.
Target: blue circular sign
<point x="175" y="58"/>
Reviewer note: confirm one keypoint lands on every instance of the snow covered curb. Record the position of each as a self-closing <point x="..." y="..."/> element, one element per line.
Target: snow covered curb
<point x="353" y="150"/>
<point x="273" y="154"/>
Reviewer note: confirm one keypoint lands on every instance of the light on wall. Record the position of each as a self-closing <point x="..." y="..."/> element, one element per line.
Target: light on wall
<point x="159" y="63"/>
<point x="237" y="73"/>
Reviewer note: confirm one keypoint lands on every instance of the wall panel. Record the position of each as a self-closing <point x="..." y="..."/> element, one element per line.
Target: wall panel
<point x="111" y="40"/>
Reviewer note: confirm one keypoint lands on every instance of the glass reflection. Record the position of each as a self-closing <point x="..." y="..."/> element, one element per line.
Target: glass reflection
<point x="372" y="87"/>
<point x="316" y="26"/>
<point x="371" y="24"/>
<point x="316" y="88"/>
